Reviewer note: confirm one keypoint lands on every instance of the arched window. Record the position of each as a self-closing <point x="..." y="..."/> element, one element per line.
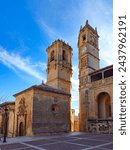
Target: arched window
<point x="83" y="38"/>
<point x="52" y="56"/>
<point x="63" y="55"/>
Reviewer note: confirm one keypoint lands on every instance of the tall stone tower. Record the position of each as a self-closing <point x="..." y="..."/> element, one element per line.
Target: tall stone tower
<point x="59" y="67"/>
<point x="88" y="62"/>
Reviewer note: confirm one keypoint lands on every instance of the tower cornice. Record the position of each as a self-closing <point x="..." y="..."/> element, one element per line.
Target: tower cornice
<point x="58" y="41"/>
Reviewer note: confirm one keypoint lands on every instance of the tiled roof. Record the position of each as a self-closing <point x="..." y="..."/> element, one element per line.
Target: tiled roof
<point x="44" y="87"/>
<point x="7" y="103"/>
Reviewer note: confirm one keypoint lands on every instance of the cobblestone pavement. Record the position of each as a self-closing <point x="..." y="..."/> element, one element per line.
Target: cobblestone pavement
<point x="80" y="141"/>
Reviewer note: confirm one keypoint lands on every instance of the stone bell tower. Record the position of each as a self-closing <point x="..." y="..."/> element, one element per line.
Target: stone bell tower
<point x="88" y="53"/>
<point x="59" y="67"/>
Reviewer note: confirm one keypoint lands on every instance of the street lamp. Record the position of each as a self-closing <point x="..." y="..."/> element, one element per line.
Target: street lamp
<point x="5" y="123"/>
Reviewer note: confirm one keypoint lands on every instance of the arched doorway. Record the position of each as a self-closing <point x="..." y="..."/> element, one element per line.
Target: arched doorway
<point x="104" y="105"/>
<point x="21" y="129"/>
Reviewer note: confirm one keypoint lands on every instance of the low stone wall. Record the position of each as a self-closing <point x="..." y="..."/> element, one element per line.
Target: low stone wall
<point x="100" y="125"/>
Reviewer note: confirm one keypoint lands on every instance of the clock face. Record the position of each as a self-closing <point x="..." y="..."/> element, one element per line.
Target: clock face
<point x="84" y="50"/>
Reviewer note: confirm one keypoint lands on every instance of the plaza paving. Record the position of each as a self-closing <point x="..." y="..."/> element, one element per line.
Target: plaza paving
<point x="73" y="141"/>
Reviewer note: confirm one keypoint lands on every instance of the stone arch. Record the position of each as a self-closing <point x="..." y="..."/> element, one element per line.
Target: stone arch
<point x="21" y="129"/>
<point x="103" y="105"/>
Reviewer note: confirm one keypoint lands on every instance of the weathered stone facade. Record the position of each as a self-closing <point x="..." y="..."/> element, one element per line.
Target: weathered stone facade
<point x="23" y="112"/>
<point x="54" y="108"/>
<point x="59" y="67"/>
<point x="74" y="121"/>
<point x="10" y="118"/>
<point x="42" y="109"/>
<point x="95" y="85"/>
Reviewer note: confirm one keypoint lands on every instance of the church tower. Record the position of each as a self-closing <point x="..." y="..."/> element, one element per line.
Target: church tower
<point x="88" y="53"/>
<point x="59" y="67"/>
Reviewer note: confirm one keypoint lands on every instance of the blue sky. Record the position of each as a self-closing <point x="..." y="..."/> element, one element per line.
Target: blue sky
<point x="28" y="27"/>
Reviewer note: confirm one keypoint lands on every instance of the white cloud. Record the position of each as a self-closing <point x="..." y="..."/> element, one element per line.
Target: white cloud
<point x="63" y="23"/>
<point x="17" y="63"/>
<point x="75" y="84"/>
<point x="47" y="29"/>
<point x="74" y="91"/>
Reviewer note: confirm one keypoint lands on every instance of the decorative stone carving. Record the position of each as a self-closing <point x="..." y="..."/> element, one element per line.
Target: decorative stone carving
<point x="100" y="126"/>
<point x="22" y="107"/>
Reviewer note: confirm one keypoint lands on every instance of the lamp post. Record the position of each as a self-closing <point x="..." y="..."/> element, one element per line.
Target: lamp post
<point x="5" y="123"/>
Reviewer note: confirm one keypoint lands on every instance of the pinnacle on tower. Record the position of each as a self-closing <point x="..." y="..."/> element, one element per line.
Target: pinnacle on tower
<point x="87" y="22"/>
<point x="80" y="27"/>
<point x="96" y="29"/>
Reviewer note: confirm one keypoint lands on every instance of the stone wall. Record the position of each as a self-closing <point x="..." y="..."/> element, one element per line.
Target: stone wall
<point x="97" y="87"/>
<point x="100" y="126"/>
<point x="59" y="69"/>
<point x="89" y="101"/>
<point x="23" y="112"/>
<point x="51" y="112"/>
<point x="10" y="118"/>
<point x="72" y="120"/>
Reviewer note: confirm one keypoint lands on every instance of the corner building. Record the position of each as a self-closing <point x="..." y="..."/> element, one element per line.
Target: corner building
<point x="41" y="109"/>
